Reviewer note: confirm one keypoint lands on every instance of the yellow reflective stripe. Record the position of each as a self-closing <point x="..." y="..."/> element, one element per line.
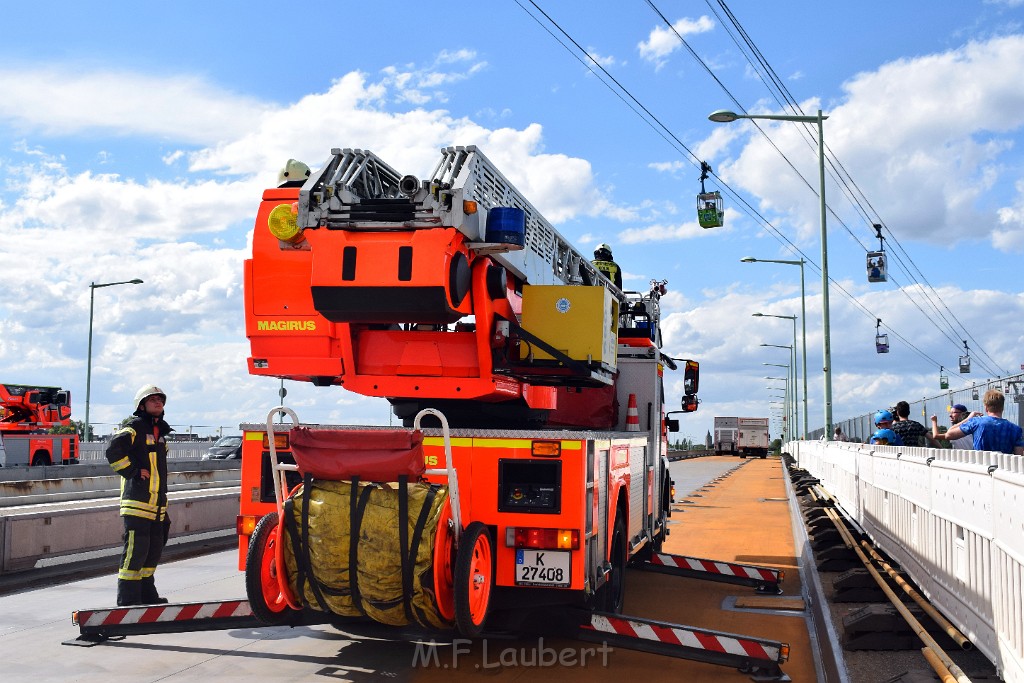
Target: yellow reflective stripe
<point x="129" y="575"/>
<point x="138" y="505"/>
<point x="567" y="445"/>
<point x="151" y="516"/>
<point x="123" y="463"/>
<point x="147" y="572"/>
<point x="439" y="441"/>
<point x="154" y="480"/>
<point x="128" y="430"/>
<point x="129" y="549"/>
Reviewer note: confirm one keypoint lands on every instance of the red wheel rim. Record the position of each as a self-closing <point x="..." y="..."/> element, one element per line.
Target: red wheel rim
<point x="444" y="572"/>
<point x="273" y="597"/>
<point x="480" y="579"/>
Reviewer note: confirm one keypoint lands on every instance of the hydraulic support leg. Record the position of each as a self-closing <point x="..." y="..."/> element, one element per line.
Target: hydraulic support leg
<point x="763" y="579"/>
<point x="758" y="657"/>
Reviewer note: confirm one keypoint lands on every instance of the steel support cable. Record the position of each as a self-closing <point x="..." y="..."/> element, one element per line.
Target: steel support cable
<point x="650" y="119"/>
<point x="976" y="345"/>
<point x="840" y="174"/>
<point x="660" y="128"/>
<point x="944" y="659"/>
<point x="927" y="287"/>
<point x="673" y="140"/>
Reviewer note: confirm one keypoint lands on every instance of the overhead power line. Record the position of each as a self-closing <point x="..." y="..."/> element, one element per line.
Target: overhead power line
<point x="573" y="47"/>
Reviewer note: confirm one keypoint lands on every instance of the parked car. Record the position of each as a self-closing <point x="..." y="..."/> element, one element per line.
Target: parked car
<point x="225" y="448"/>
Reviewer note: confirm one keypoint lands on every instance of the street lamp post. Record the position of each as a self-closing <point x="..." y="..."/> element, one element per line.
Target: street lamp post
<point x="796" y="429"/>
<point x="792" y="373"/>
<point x="803" y="321"/>
<point x="722" y="116"/>
<point x="780" y="365"/>
<point x="784" y="389"/>
<point x="88" y="367"/>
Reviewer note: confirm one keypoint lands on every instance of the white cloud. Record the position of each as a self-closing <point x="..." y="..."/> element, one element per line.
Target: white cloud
<point x="63" y="101"/>
<point x="662" y="42"/>
<point x="928" y="161"/>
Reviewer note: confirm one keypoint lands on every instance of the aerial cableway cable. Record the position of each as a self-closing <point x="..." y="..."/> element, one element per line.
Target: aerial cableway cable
<point x="623" y="93"/>
<point x="854" y="193"/>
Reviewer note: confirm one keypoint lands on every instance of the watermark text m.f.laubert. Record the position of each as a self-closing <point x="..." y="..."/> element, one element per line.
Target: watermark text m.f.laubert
<point x="459" y="653"/>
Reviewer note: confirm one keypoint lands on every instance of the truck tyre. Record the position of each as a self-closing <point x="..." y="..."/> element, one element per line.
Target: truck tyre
<point x="613" y="592"/>
<point x="474" y="579"/>
<point x="41" y="459"/>
<point x="262" y="588"/>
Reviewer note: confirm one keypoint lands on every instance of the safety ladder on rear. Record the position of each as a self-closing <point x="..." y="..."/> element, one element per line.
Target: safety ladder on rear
<point x="278" y="468"/>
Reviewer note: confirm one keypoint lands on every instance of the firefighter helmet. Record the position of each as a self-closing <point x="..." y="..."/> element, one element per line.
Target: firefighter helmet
<point x="147" y="391"/>
<point x="603" y="252"/>
<point x="292" y="171"/>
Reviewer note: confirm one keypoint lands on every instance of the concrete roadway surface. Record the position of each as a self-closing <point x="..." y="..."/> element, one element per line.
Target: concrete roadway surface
<point x="743" y="517"/>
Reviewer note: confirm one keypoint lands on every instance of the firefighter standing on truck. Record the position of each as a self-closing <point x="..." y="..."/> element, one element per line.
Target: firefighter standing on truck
<point x="138" y="452"/>
<point x="603" y="262"/>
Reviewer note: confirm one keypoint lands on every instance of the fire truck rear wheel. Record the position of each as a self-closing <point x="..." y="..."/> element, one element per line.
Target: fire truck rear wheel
<point x="474" y="579"/>
<point x="266" y="598"/>
<point x="613" y="592"/>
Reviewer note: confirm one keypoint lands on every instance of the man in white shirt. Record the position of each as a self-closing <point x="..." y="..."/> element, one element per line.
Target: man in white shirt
<point x="957" y="413"/>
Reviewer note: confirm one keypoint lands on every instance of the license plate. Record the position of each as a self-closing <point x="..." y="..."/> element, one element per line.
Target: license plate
<point x="543" y="567"/>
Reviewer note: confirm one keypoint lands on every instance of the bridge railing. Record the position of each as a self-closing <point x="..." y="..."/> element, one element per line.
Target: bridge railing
<point x="953" y="519"/>
<point x="94" y="452"/>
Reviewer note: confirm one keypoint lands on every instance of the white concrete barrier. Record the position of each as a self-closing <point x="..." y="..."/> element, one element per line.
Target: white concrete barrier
<point x="31" y="534"/>
<point x="954" y="520"/>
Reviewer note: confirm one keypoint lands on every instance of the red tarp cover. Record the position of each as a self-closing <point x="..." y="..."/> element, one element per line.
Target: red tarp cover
<point x="340" y="455"/>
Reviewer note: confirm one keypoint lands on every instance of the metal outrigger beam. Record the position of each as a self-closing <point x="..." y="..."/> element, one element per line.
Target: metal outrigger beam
<point x="99" y="625"/>
<point x="763" y="579"/>
<point x="759" y="657"/>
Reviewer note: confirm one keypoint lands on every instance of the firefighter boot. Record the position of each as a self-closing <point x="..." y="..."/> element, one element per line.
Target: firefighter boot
<point x="148" y="592"/>
<point x="129" y="593"/>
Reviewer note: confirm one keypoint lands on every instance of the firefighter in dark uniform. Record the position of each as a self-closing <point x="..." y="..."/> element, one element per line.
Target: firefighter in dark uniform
<point x="138" y="452"/>
<point x="603" y="262"/>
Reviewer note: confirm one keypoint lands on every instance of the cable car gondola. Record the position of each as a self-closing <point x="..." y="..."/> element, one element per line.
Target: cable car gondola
<point x="943" y="379"/>
<point x="876" y="259"/>
<point x="710" y="213"/>
<point x="881" y="340"/>
<point x="965" y="360"/>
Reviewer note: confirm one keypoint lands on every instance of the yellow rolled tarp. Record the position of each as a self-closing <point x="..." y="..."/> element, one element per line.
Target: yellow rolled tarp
<point x="318" y="550"/>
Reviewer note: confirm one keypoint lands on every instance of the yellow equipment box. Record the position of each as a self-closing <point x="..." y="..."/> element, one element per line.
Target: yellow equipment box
<point x="581" y="322"/>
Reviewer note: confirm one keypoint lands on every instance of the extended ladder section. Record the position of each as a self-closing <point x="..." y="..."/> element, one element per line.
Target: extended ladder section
<point x="356" y="190"/>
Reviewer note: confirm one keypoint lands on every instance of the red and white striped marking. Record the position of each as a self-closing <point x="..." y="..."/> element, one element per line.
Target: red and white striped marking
<point x="712" y="567"/>
<point x="163" y="613"/>
<point x="632" y="415"/>
<point x="679" y="635"/>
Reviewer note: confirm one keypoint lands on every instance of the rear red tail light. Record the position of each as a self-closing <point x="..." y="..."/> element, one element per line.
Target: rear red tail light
<point x="544" y="539"/>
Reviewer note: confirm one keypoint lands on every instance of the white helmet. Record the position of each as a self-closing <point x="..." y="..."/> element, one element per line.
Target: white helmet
<point x="147" y="391"/>
<point x="293" y="170"/>
<point x="603" y="251"/>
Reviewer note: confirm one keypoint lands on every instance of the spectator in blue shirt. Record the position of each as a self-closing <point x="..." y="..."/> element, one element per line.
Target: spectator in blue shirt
<point x="990" y="431"/>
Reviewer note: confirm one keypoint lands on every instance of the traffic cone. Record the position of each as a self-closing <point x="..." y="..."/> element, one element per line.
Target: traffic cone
<point x="632" y="416"/>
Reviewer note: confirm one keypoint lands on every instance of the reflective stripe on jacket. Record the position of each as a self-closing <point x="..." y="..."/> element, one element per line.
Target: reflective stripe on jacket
<point x="141" y="445"/>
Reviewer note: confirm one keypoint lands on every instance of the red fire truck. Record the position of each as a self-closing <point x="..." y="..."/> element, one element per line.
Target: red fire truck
<point x="531" y="467"/>
<point x="27" y="413"/>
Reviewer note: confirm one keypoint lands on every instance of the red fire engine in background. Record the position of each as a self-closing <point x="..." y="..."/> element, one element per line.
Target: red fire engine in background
<point x="27" y="413"/>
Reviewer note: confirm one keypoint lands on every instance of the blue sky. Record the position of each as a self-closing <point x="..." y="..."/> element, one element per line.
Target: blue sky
<point x="135" y="140"/>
